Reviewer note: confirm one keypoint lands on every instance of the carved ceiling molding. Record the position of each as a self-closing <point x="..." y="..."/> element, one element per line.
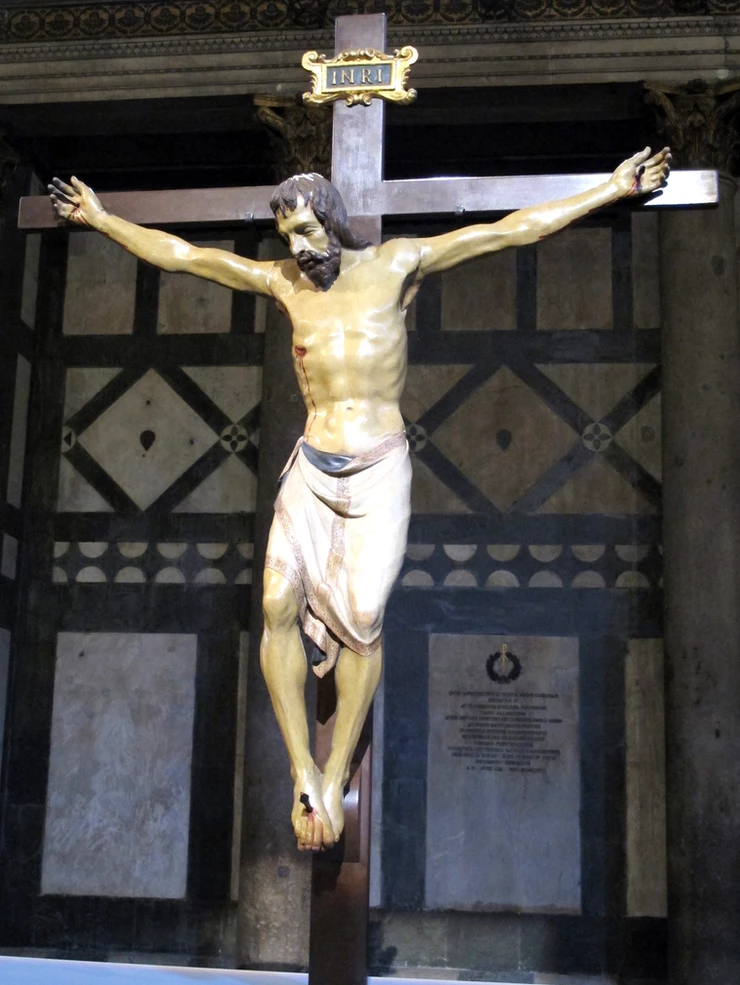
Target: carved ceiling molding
<point x="674" y="49"/>
<point x="23" y="21"/>
<point x="294" y="40"/>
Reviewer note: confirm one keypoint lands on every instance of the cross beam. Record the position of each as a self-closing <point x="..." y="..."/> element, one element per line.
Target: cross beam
<point x="401" y="197"/>
<point x="357" y="172"/>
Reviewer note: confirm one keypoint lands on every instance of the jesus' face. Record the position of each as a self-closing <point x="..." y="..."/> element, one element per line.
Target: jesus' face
<point x="318" y="253"/>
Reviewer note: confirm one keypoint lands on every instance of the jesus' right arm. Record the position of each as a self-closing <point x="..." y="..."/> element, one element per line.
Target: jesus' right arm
<point x="79" y="204"/>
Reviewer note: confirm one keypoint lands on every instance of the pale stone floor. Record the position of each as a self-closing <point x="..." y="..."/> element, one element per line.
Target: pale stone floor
<point x="16" y="970"/>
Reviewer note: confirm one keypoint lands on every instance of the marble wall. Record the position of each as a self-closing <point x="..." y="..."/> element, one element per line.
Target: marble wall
<point x="125" y="766"/>
<point x="533" y="417"/>
<point x="18" y="288"/>
<point x="533" y="413"/>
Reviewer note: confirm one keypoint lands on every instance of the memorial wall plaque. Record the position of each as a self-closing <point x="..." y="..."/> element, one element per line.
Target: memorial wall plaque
<point x="503" y="774"/>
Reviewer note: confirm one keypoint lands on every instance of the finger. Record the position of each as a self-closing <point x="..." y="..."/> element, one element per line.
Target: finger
<point x="63" y="187"/>
<point x="65" y="193"/>
<point x="641" y="156"/>
<point x="660" y="157"/>
<point x="79" y="185"/>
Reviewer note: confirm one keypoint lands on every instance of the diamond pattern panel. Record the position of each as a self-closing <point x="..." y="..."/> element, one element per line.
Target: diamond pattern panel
<point x="504" y="438"/>
<point x="147" y="439"/>
<point x="640" y="437"/>
<point x="596" y="387"/>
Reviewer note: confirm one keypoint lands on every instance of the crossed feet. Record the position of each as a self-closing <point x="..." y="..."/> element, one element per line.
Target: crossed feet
<point x="318" y="811"/>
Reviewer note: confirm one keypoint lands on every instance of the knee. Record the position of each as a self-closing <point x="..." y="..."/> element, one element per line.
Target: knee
<point x="367" y="616"/>
<point x="278" y="602"/>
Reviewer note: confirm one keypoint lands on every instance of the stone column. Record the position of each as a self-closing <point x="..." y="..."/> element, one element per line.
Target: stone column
<point x="701" y="506"/>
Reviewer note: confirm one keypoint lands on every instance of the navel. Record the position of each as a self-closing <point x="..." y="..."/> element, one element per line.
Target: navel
<point x="300" y="351"/>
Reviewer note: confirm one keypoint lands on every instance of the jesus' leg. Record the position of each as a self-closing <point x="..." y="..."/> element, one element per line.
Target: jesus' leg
<point x="283" y="662"/>
<point x="356" y="681"/>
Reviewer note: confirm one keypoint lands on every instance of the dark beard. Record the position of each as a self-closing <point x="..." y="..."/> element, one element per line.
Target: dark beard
<point x="322" y="269"/>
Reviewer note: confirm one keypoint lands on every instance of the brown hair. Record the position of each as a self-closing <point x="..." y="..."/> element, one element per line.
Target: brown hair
<point x="325" y="201"/>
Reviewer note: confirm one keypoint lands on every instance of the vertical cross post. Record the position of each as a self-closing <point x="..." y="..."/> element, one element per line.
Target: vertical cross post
<point x="341" y="878"/>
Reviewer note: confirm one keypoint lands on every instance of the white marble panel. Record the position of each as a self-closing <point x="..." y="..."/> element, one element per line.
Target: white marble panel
<point x="101" y="287"/>
<point x="231" y="488"/>
<point x="75" y="494"/>
<point x="574" y="280"/>
<point x="241" y="731"/>
<point x="9" y="558"/>
<point x="503" y="780"/>
<point x="645" y="278"/>
<point x="5" y="640"/>
<point x="82" y="384"/>
<point x="30" y="279"/>
<point x="481" y="295"/>
<point x="645" y="779"/>
<point x="190" y="305"/>
<point x="235" y="389"/>
<point x="150" y="409"/>
<point x="118" y="801"/>
<point x="18" y="431"/>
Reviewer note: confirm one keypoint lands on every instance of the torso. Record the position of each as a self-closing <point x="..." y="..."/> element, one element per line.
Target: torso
<point x="349" y="345"/>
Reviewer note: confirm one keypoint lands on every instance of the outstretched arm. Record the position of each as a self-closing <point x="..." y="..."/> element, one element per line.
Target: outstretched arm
<point x="639" y="175"/>
<point x="80" y="204"/>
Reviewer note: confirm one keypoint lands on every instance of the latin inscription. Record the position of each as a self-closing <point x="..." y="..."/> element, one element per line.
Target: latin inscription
<point x="506" y="733"/>
<point x="357" y="76"/>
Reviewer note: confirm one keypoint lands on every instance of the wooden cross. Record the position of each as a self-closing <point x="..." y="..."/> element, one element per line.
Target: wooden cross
<point x="340" y="883"/>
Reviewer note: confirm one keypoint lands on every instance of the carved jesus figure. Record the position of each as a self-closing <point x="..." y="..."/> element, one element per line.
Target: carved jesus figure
<point x="339" y="533"/>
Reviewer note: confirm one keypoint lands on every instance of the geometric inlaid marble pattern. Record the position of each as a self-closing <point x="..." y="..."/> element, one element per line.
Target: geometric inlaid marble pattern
<point x="100" y="294"/>
<point x="596" y="387"/>
<point x="76" y="495"/>
<point x="425" y="385"/>
<point x="147" y="439"/>
<point x="82" y="384"/>
<point x="190" y="305"/>
<point x="163" y="562"/>
<point x="481" y="296"/>
<point x="598" y="488"/>
<point x="641" y="437"/>
<point x="230" y="488"/>
<point x="504" y="438"/>
<point x="429" y="494"/>
<point x="622" y="566"/>
<point x="118" y="802"/>
<point x="235" y="389"/>
<point x="574" y="287"/>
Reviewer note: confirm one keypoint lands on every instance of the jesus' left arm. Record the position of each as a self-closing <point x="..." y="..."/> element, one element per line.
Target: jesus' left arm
<point x="639" y="175"/>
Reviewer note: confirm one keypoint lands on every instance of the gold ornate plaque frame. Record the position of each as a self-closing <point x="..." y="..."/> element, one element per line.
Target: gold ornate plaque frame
<point x="360" y="76"/>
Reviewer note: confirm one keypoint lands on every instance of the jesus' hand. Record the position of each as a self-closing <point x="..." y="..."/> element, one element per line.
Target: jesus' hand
<point x="642" y="174"/>
<point x="77" y="203"/>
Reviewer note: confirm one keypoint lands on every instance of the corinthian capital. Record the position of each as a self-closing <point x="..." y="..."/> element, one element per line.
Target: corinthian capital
<point x="698" y="121"/>
<point x="300" y="136"/>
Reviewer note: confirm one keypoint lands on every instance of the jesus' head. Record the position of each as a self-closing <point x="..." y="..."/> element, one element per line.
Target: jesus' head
<point x="312" y="219"/>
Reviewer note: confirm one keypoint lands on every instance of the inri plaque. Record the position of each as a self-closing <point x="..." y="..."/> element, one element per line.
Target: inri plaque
<point x="503" y="785"/>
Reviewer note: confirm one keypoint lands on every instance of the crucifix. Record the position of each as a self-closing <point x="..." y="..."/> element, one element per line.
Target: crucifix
<point x="312" y="293"/>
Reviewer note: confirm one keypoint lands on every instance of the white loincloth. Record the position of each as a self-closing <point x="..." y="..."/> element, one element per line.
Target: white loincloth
<point x="339" y="538"/>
